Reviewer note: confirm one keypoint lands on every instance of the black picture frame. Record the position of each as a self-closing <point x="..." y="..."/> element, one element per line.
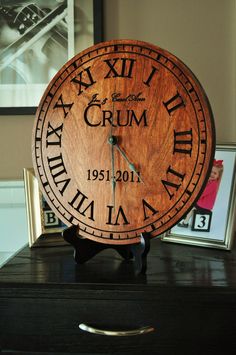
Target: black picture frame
<point x="97" y="37"/>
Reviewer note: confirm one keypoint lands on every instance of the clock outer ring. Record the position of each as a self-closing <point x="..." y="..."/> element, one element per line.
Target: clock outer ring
<point x="209" y="122"/>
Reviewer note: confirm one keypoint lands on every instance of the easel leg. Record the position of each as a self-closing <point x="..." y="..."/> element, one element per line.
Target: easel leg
<point x="86" y="249"/>
<point x="140" y="252"/>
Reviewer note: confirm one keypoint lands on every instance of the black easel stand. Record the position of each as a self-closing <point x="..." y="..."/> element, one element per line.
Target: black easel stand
<point x="85" y="249"/>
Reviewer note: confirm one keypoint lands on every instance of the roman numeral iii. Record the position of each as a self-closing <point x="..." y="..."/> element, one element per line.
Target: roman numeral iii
<point x="183" y="142"/>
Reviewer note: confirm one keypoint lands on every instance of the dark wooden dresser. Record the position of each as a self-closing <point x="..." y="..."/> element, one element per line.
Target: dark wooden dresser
<point x="188" y="296"/>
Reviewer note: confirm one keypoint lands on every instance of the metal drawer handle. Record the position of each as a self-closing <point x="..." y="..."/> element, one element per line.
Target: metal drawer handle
<point x="117" y="333"/>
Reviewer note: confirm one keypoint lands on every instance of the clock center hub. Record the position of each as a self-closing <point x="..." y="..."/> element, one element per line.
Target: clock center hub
<point x="112" y="140"/>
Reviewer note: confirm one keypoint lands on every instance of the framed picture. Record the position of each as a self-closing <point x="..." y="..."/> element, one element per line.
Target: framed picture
<point x="44" y="227"/>
<point x="211" y="221"/>
<point x="36" y="40"/>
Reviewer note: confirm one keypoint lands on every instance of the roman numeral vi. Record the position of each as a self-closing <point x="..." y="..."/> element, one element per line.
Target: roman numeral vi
<point x="119" y="219"/>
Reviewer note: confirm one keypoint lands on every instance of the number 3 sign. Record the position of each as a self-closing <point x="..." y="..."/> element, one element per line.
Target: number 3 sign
<point x="201" y="221"/>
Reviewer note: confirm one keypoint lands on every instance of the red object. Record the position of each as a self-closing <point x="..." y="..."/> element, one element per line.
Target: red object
<point x="208" y="196"/>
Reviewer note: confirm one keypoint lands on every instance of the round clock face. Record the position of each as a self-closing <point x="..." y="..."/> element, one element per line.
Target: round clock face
<point x="123" y="141"/>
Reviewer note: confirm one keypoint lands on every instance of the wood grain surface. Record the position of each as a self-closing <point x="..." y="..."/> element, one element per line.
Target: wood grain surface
<point x="147" y="102"/>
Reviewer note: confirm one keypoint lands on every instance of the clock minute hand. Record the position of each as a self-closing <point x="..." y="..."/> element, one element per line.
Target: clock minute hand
<point x="113" y="181"/>
<point x="131" y="165"/>
<point x="112" y="141"/>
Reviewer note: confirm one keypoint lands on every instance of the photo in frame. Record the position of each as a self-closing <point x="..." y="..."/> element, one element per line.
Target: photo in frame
<point x="36" y="40"/>
<point x="211" y="221"/>
<point x="44" y="227"/>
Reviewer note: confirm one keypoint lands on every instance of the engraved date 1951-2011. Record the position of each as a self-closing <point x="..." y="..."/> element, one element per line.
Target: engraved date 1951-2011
<point x="106" y="175"/>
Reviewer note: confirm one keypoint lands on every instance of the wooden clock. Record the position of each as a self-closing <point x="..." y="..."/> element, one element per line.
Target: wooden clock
<point x="123" y="141"/>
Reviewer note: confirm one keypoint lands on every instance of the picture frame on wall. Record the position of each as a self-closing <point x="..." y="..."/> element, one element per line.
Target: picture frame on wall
<point x="44" y="227"/>
<point x="36" y="40"/>
<point x="211" y="221"/>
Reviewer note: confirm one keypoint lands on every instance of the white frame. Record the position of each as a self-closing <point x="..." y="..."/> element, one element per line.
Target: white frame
<point x="221" y="235"/>
<point x="39" y="234"/>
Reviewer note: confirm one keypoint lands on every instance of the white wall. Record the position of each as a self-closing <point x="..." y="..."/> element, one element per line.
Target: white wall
<point x="202" y="33"/>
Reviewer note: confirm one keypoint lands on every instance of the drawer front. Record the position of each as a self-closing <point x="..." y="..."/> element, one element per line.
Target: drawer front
<point x="52" y="325"/>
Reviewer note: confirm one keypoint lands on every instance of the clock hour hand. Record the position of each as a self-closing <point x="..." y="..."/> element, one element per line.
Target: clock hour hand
<point x="131" y="165"/>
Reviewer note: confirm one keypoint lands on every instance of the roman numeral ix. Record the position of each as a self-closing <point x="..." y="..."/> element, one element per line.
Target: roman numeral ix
<point x="54" y="135"/>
